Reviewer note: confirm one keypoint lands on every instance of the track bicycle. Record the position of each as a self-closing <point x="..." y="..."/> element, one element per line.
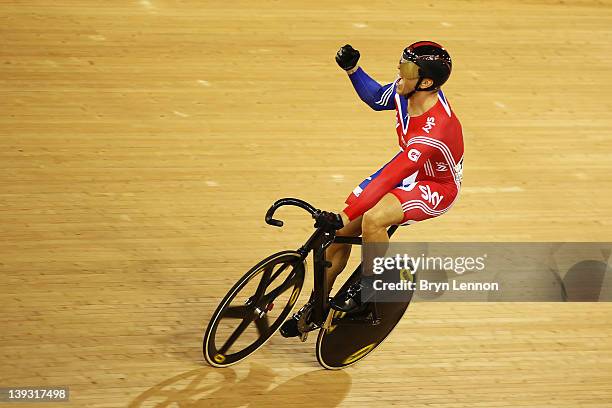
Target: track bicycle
<point x="257" y="305"/>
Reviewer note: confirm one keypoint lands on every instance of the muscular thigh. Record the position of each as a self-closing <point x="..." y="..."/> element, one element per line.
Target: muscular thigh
<point x="386" y="212"/>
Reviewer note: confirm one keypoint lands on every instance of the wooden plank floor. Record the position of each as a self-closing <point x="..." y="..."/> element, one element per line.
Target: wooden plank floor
<point x="142" y="141"/>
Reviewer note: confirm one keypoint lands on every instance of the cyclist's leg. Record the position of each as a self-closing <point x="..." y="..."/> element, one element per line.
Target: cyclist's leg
<point x="388" y="211"/>
<point x="373" y="224"/>
<point x="403" y="205"/>
<point x="338" y="254"/>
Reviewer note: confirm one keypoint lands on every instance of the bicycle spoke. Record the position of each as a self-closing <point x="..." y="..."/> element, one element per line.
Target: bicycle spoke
<point x="280" y="270"/>
<point x="239" y="312"/>
<point x="274" y="293"/>
<point x="263" y="325"/>
<point x="263" y="283"/>
<point x="232" y="339"/>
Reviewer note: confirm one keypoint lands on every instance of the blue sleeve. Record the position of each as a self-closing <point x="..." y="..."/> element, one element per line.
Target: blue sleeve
<point x="378" y="97"/>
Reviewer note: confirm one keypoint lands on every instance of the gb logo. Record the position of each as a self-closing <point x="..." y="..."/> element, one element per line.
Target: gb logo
<point x="414" y="154"/>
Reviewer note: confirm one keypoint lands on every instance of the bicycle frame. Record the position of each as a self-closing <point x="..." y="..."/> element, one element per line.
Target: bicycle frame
<point x="377" y="321"/>
<point x="318" y="243"/>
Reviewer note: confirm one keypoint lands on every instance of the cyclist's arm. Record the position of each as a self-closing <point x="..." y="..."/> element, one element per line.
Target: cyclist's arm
<point x="377" y="96"/>
<point x="402" y="166"/>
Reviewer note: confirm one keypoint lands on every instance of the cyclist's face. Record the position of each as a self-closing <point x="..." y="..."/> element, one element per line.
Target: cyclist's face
<point x="408" y="75"/>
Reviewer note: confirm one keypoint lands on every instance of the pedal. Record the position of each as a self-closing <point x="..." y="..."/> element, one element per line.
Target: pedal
<point x="304" y="325"/>
<point x="303" y="336"/>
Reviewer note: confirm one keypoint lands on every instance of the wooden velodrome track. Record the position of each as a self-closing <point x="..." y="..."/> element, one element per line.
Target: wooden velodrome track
<point x="142" y="141"/>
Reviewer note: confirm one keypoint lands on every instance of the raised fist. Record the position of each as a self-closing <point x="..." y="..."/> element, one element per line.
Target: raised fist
<point x="347" y="57"/>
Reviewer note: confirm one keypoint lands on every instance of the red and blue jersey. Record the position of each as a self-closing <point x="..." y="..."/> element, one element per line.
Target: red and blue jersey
<point x="431" y="147"/>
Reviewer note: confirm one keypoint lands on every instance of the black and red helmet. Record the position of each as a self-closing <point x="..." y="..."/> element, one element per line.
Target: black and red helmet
<point x="433" y="61"/>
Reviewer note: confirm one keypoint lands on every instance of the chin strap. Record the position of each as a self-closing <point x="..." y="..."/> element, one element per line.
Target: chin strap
<point x="417" y="89"/>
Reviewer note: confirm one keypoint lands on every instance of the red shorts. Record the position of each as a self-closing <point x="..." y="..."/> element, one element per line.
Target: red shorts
<point x="420" y="200"/>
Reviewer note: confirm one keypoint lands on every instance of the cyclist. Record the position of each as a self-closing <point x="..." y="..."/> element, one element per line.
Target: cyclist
<point x="421" y="181"/>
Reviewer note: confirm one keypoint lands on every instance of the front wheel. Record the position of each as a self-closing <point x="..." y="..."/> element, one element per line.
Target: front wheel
<point x="254" y="309"/>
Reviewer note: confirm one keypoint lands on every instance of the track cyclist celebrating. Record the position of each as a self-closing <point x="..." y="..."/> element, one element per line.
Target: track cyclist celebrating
<point x="422" y="181"/>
